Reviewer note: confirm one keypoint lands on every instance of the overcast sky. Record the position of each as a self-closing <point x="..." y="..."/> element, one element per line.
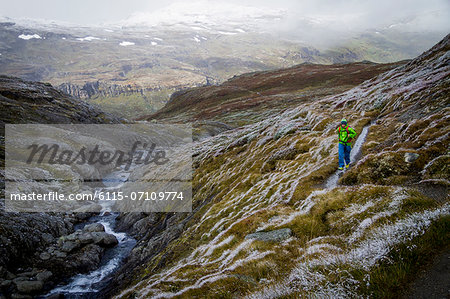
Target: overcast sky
<point x="108" y="11"/>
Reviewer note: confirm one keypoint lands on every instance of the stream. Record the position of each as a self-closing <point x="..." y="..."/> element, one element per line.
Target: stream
<point x="88" y="285"/>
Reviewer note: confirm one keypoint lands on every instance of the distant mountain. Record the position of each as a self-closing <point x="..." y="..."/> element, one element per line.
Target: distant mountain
<point x="136" y="64"/>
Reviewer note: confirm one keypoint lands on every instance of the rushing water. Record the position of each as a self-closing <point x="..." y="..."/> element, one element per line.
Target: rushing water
<point x="88" y="285"/>
<point x="355" y="154"/>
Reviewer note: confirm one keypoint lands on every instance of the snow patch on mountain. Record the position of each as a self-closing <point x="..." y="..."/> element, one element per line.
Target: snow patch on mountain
<point x="29" y="36"/>
<point x="125" y="44"/>
<point x="88" y="38"/>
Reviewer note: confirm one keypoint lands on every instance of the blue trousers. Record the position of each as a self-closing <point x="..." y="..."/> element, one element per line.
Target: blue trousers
<point x="344" y="154"/>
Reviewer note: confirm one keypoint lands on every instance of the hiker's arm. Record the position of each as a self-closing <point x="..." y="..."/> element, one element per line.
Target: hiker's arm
<point x="351" y="133"/>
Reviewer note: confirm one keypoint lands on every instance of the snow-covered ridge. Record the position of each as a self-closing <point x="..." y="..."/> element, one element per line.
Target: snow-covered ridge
<point x="88" y="38"/>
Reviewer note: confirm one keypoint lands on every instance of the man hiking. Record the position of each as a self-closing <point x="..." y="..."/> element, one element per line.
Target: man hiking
<point x="345" y="134"/>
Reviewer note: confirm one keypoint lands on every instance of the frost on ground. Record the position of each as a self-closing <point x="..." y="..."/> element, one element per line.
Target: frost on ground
<point x="271" y="175"/>
<point x="378" y="243"/>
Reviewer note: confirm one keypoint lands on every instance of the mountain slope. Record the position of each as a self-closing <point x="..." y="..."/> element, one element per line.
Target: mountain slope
<point x="363" y="237"/>
<point x="34" y="102"/>
<point x="255" y="96"/>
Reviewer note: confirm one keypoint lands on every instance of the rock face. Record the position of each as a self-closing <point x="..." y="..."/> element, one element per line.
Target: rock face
<point x="27" y="102"/>
<point x="342" y="237"/>
<point x="102" y="89"/>
<point x="22" y="235"/>
<point x="28" y="239"/>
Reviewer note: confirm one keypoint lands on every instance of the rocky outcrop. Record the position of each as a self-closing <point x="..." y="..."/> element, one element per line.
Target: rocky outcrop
<point x="101" y="89"/>
<point x="31" y="261"/>
<point x="34" y="102"/>
<point x="53" y="259"/>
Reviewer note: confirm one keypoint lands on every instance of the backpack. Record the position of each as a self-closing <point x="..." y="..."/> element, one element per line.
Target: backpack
<point x="339" y="130"/>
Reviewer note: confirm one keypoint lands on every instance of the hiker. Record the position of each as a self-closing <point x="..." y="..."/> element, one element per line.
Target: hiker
<point x="346" y="135"/>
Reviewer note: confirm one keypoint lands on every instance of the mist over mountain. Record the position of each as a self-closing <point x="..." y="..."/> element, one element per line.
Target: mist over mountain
<point x="138" y="62"/>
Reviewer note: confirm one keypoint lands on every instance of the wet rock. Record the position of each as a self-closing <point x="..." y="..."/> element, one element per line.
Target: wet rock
<point x="44" y="275"/>
<point x="411" y="157"/>
<point x="94" y="227"/>
<point x="44" y="256"/>
<point x="82" y="216"/>
<point x="20" y="278"/>
<point x="87" y="259"/>
<point x="275" y="235"/>
<point x="47" y="238"/>
<point x="29" y="287"/>
<point x="59" y="254"/>
<point x="10" y="275"/>
<point x="126" y="221"/>
<point x="69" y="246"/>
<point x="20" y="296"/>
<point x="86" y="238"/>
<point x="5" y="284"/>
<point x="142" y="226"/>
<point x="104" y="239"/>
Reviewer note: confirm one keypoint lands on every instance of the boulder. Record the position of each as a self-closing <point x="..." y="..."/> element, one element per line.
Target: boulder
<point x="69" y="246"/>
<point x="94" y="227"/>
<point x="86" y="238"/>
<point x="44" y="275"/>
<point x="44" y="256"/>
<point x="411" y="157"/>
<point x="20" y="296"/>
<point x="275" y="235"/>
<point x="60" y="254"/>
<point x="28" y="287"/>
<point x="5" y="284"/>
<point x="104" y="239"/>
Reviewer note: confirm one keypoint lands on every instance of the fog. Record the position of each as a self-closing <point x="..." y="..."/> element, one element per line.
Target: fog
<point x="337" y="15"/>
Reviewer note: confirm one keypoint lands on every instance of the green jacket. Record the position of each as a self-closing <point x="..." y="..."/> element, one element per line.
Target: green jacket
<point x="345" y="133"/>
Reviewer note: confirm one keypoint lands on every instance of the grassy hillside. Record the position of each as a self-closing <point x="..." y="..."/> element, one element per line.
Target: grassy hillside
<point x="365" y="236"/>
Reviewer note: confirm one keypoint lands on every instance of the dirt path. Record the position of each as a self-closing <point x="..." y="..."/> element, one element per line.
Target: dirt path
<point x="434" y="280"/>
